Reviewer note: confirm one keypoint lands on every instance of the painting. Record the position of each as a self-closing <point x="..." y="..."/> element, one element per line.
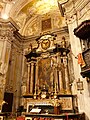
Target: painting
<point x="66" y="103"/>
<point x="44" y="72"/>
<point x="46" y="24"/>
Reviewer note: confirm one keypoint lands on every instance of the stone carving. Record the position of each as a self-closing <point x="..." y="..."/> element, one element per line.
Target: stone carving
<point x="32" y="30"/>
<point x="21" y="20"/>
<point x="57" y="22"/>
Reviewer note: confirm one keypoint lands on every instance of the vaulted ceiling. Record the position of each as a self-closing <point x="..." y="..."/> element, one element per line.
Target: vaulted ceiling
<point x="24" y="12"/>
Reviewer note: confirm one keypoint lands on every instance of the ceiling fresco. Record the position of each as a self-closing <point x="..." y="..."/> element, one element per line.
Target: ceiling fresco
<point x="31" y="6"/>
<point x="26" y="12"/>
<point x="40" y="6"/>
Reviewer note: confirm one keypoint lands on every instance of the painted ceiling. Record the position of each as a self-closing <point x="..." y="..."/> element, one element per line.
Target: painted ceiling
<point x="23" y="11"/>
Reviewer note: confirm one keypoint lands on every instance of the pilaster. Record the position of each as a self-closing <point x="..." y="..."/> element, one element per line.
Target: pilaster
<point x="8" y="60"/>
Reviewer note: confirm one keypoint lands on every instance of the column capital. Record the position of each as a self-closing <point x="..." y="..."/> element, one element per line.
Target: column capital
<point x="28" y="63"/>
<point x="32" y="63"/>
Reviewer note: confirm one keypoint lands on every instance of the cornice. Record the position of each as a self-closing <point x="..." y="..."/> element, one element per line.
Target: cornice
<point x="33" y="37"/>
<point x="8" y="29"/>
<point x="74" y="6"/>
<point x="9" y="23"/>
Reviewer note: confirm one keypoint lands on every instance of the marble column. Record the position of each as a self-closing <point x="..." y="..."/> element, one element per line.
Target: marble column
<point x="61" y="76"/>
<point x="56" y="76"/>
<point x="51" y="76"/>
<point x="36" y="79"/>
<point x="28" y="79"/>
<point x="32" y="77"/>
<point x="66" y="75"/>
<point x="60" y="81"/>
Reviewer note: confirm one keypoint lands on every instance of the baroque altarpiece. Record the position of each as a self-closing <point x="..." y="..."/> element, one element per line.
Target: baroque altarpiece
<point x="48" y="85"/>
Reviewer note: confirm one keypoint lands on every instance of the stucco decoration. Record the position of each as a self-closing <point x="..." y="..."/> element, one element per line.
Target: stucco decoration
<point x="57" y="21"/>
<point x="32" y="30"/>
<point x="20" y="20"/>
<point x="34" y="25"/>
<point x="32" y="13"/>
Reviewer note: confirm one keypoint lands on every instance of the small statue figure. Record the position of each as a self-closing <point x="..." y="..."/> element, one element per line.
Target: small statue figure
<point x="63" y="43"/>
<point x="29" y="48"/>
